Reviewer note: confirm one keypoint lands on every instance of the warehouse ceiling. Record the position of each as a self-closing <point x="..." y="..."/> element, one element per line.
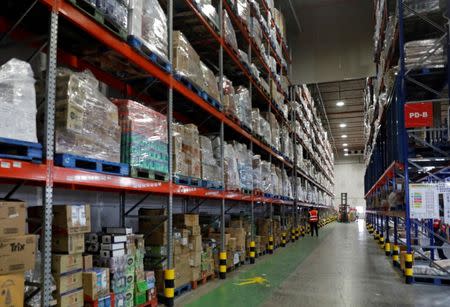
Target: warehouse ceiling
<point x="342" y="120"/>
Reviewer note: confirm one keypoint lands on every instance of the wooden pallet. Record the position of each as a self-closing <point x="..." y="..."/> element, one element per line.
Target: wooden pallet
<point x="93" y="165"/>
<point x="142" y="173"/>
<point x="100" y="17"/>
<point x="142" y="48"/>
<point x="205" y="278"/>
<point x="20" y="150"/>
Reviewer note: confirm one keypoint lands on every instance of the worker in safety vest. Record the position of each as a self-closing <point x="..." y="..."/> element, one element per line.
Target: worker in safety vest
<point x="440" y="233"/>
<point x="313" y="221"/>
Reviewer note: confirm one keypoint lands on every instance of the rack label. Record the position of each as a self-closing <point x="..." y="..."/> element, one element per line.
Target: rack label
<point x="418" y="115"/>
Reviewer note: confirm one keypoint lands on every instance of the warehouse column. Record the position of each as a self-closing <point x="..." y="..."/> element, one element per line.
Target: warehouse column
<point x="169" y="273"/>
<point x="381" y="237"/>
<point x="46" y="243"/>
<point x="396" y="249"/>
<point x="387" y="244"/>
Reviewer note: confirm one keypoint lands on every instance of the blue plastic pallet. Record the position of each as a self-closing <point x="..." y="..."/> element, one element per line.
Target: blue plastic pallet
<point x="137" y="44"/>
<point x="268" y="195"/>
<point x="212" y="184"/>
<point x="186" y="180"/>
<point x="20" y="150"/>
<point x="93" y="165"/>
<point x="189" y="84"/>
<point x="211" y="101"/>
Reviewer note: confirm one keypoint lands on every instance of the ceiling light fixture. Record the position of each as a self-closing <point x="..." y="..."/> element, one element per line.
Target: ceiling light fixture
<point x="345" y="145"/>
<point x="343" y="125"/>
<point x="346" y="154"/>
<point x="340" y="103"/>
<point x="344" y="136"/>
<point x="345" y="149"/>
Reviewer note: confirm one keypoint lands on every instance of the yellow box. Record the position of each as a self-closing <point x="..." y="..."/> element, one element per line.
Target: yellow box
<point x="12" y="290"/>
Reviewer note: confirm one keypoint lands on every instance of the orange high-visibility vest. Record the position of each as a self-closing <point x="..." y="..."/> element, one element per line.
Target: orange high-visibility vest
<point x="313" y="216"/>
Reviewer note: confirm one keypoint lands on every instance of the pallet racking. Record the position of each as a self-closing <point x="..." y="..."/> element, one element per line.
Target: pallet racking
<point x="399" y="155"/>
<point x="69" y="40"/>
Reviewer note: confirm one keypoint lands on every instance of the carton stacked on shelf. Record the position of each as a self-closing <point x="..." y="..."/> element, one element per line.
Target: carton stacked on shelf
<point x="18" y="111"/>
<point x="231" y="170"/>
<point x="245" y="168"/>
<point x="244" y="106"/>
<point x="274" y="128"/>
<point x="148" y="23"/>
<point x="263" y="226"/>
<point x="229" y="102"/>
<point x="186" y="61"/>
<point x="210" y="86"/>
<point x="208" y="10"/>
<point x="70" y="224"/>
<point x="264" y="128"/>
<point x="86" y="122"/>
<point x="256" y="122"/>
<point x="238" y="232"/>
<point x="210" y="166"/>
<point x="186" y="154"/>
<point x="257" y="173"/>
<point x="17" y="252"/>
<point x="144" y="137"/>
<point x="229" y="33"/>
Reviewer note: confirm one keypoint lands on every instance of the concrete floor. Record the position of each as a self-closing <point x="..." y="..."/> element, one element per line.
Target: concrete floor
<point x="344" y="267"/>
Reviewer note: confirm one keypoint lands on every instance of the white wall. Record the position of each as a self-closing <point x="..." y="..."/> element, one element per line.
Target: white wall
<point x="349" y="178"/>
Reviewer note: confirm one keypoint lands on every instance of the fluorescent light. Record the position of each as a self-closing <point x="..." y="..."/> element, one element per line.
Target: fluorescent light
<point x="344" y="136"/>
<point x="346" y="154"/>
<point x="343" y="125"/>
<point x="340" y="103"/>
<point x="345" y="145"/>
<point x="345" y="149"/>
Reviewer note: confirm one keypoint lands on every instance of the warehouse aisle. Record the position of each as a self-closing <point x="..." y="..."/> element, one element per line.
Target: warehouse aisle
<point x="344" y="267"/>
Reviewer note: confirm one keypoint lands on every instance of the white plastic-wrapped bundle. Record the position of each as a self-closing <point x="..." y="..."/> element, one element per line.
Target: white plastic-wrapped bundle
<point x="186" y="60"/>
<point x="425" y="53"/>
<point x="208" y="10"/>
<point x="232" y="180"/>
<point x="255" y="121"/>
<point x="86" y="122"/>
<point x="17" y="101"/>
<point x="264" y="129"/>
<point x="210" y="166"/>
<point x="274" y="128"/>
<point x="210" y="84"/>
<point x="147" y="21"/>
<point x="229" y="33"/>
<point x="257" y="172"/>
<point x="245" y="168"/>
<point x="266" y="177"/>
<point x="243" y="11"/>
<point x="115" y="10"/>
<point x="423" y="6"/>
<point x="256" y="32"/>
<point x="244" y="105"/>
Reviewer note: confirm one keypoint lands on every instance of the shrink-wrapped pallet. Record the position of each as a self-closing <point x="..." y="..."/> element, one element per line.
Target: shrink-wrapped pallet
<point x="264" y="128"/>
<point x="244" y="163"/>
<point x="256" y="121"/>
<point x="229" y="33"/>
<point x="243" y="11"/>
<point x="257" y="172"/>
<point x="232" y="181"/>
<point x="210" y="166"/>
<point x="208" y="10"/>
<point x="229" y="104"/>
<point x="115" y="10"/>
<point x="244" y="106"/>
<point x="186" y="61"/>
<point x="266" y="178"/>
<point x="86" y="122"/>
<point x="17" y="101"/>
<point x="210" y="85"/>
<point x="191" y="146"/>
<point x="425" y="53"/>
<point x="148" y="23"/>
<point x="144" y="136"/>
<point x="256" y="32"/>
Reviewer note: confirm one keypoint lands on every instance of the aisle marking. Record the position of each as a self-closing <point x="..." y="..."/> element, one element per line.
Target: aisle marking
<point x="254" y="280"/>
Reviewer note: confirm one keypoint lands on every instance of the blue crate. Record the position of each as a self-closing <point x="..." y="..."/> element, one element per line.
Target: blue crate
<point x="212" y="184"/>
<point x="137" y="44"/>
<point x="20" y="150"/>
<point x="93" y="165"/>
<point x="186" y="180"/>
<point x="189" y="84"/>
<point x="211" y="101"/>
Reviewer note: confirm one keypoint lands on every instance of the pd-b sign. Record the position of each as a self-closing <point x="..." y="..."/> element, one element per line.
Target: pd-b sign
<point x="418" y="115"/>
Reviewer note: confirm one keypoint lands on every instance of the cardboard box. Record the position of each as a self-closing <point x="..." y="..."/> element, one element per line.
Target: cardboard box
<point x="69" y="244"/>
<point x="150" y="279"/>
<point x="195" y="258"/>
<point x="12" y="290"/>
<point x="67" y="219"/>
<point x="231" y="244"/>
<point x="68" y="282"/>
<point x="195" y="274"/>
<point x="150" y="223"/>
<point x="185" y="220"/>
<point x="66" y="263"/>
<point x="17" y="254"/>
<point x="96" y="283"/>
<point x="194" y="230"/>
<point x="140" y="293"/>
<point x="87" y="262"/>
<point x="71" y="299"/>
<point x="236" y="224"/>
<point x="195" y="243"/>
<point x="129" y="298"/>
<point x="217" y="237"/>
<point x="240" y="235"/>
<point x="12" y="218"/>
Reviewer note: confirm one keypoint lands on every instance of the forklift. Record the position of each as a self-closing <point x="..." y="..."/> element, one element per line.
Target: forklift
<point x="343" y="209"/>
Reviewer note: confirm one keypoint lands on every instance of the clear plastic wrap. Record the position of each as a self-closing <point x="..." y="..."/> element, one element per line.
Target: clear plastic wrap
<point x="186" y="61"/>
<point x="243" y="56"/>
<point x="257" y="173"/>
<point x="86" y="122"/>
<point x="210" y="166"/>
<point x="144" y="136"/>
<point x="17" y="101"/>
<point x="229" y="33"/>
<point x="422" y="6"/>
<point x="148" y="22"/>
<point x="275" y="177"/>
<point x="266" y="178"/>
<point x="286" y="144"/>
<point x="180" y="167"/>
<point x="244" y="106"/>
<point x="243" y="11"/>
<point x="425" y="53"/>
<point x="208" y="10"/>
<point x="280" y="22"/>
<point x="210" y="84"/>
<point x="228" y="103"/>
<point x="115" y="10"/>
<point x="186" y="150"/>
<point x="232" y="181"/>
<point x="255" y="121"/>
<point x="245" y="165"/>
<point x="256" y="32"/>
<point x="274" y="128"/>
<point x="264" y="128"/>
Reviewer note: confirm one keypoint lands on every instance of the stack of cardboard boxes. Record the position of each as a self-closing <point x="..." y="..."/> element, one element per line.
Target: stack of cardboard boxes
<point x="238" y="232"/>
<point x="264" y="231"/>
<point x="17" y="252"/>
<point x="186" y="154"/>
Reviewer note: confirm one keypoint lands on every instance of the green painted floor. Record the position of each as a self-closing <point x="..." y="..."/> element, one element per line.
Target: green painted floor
<point x="272" y="269"/>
